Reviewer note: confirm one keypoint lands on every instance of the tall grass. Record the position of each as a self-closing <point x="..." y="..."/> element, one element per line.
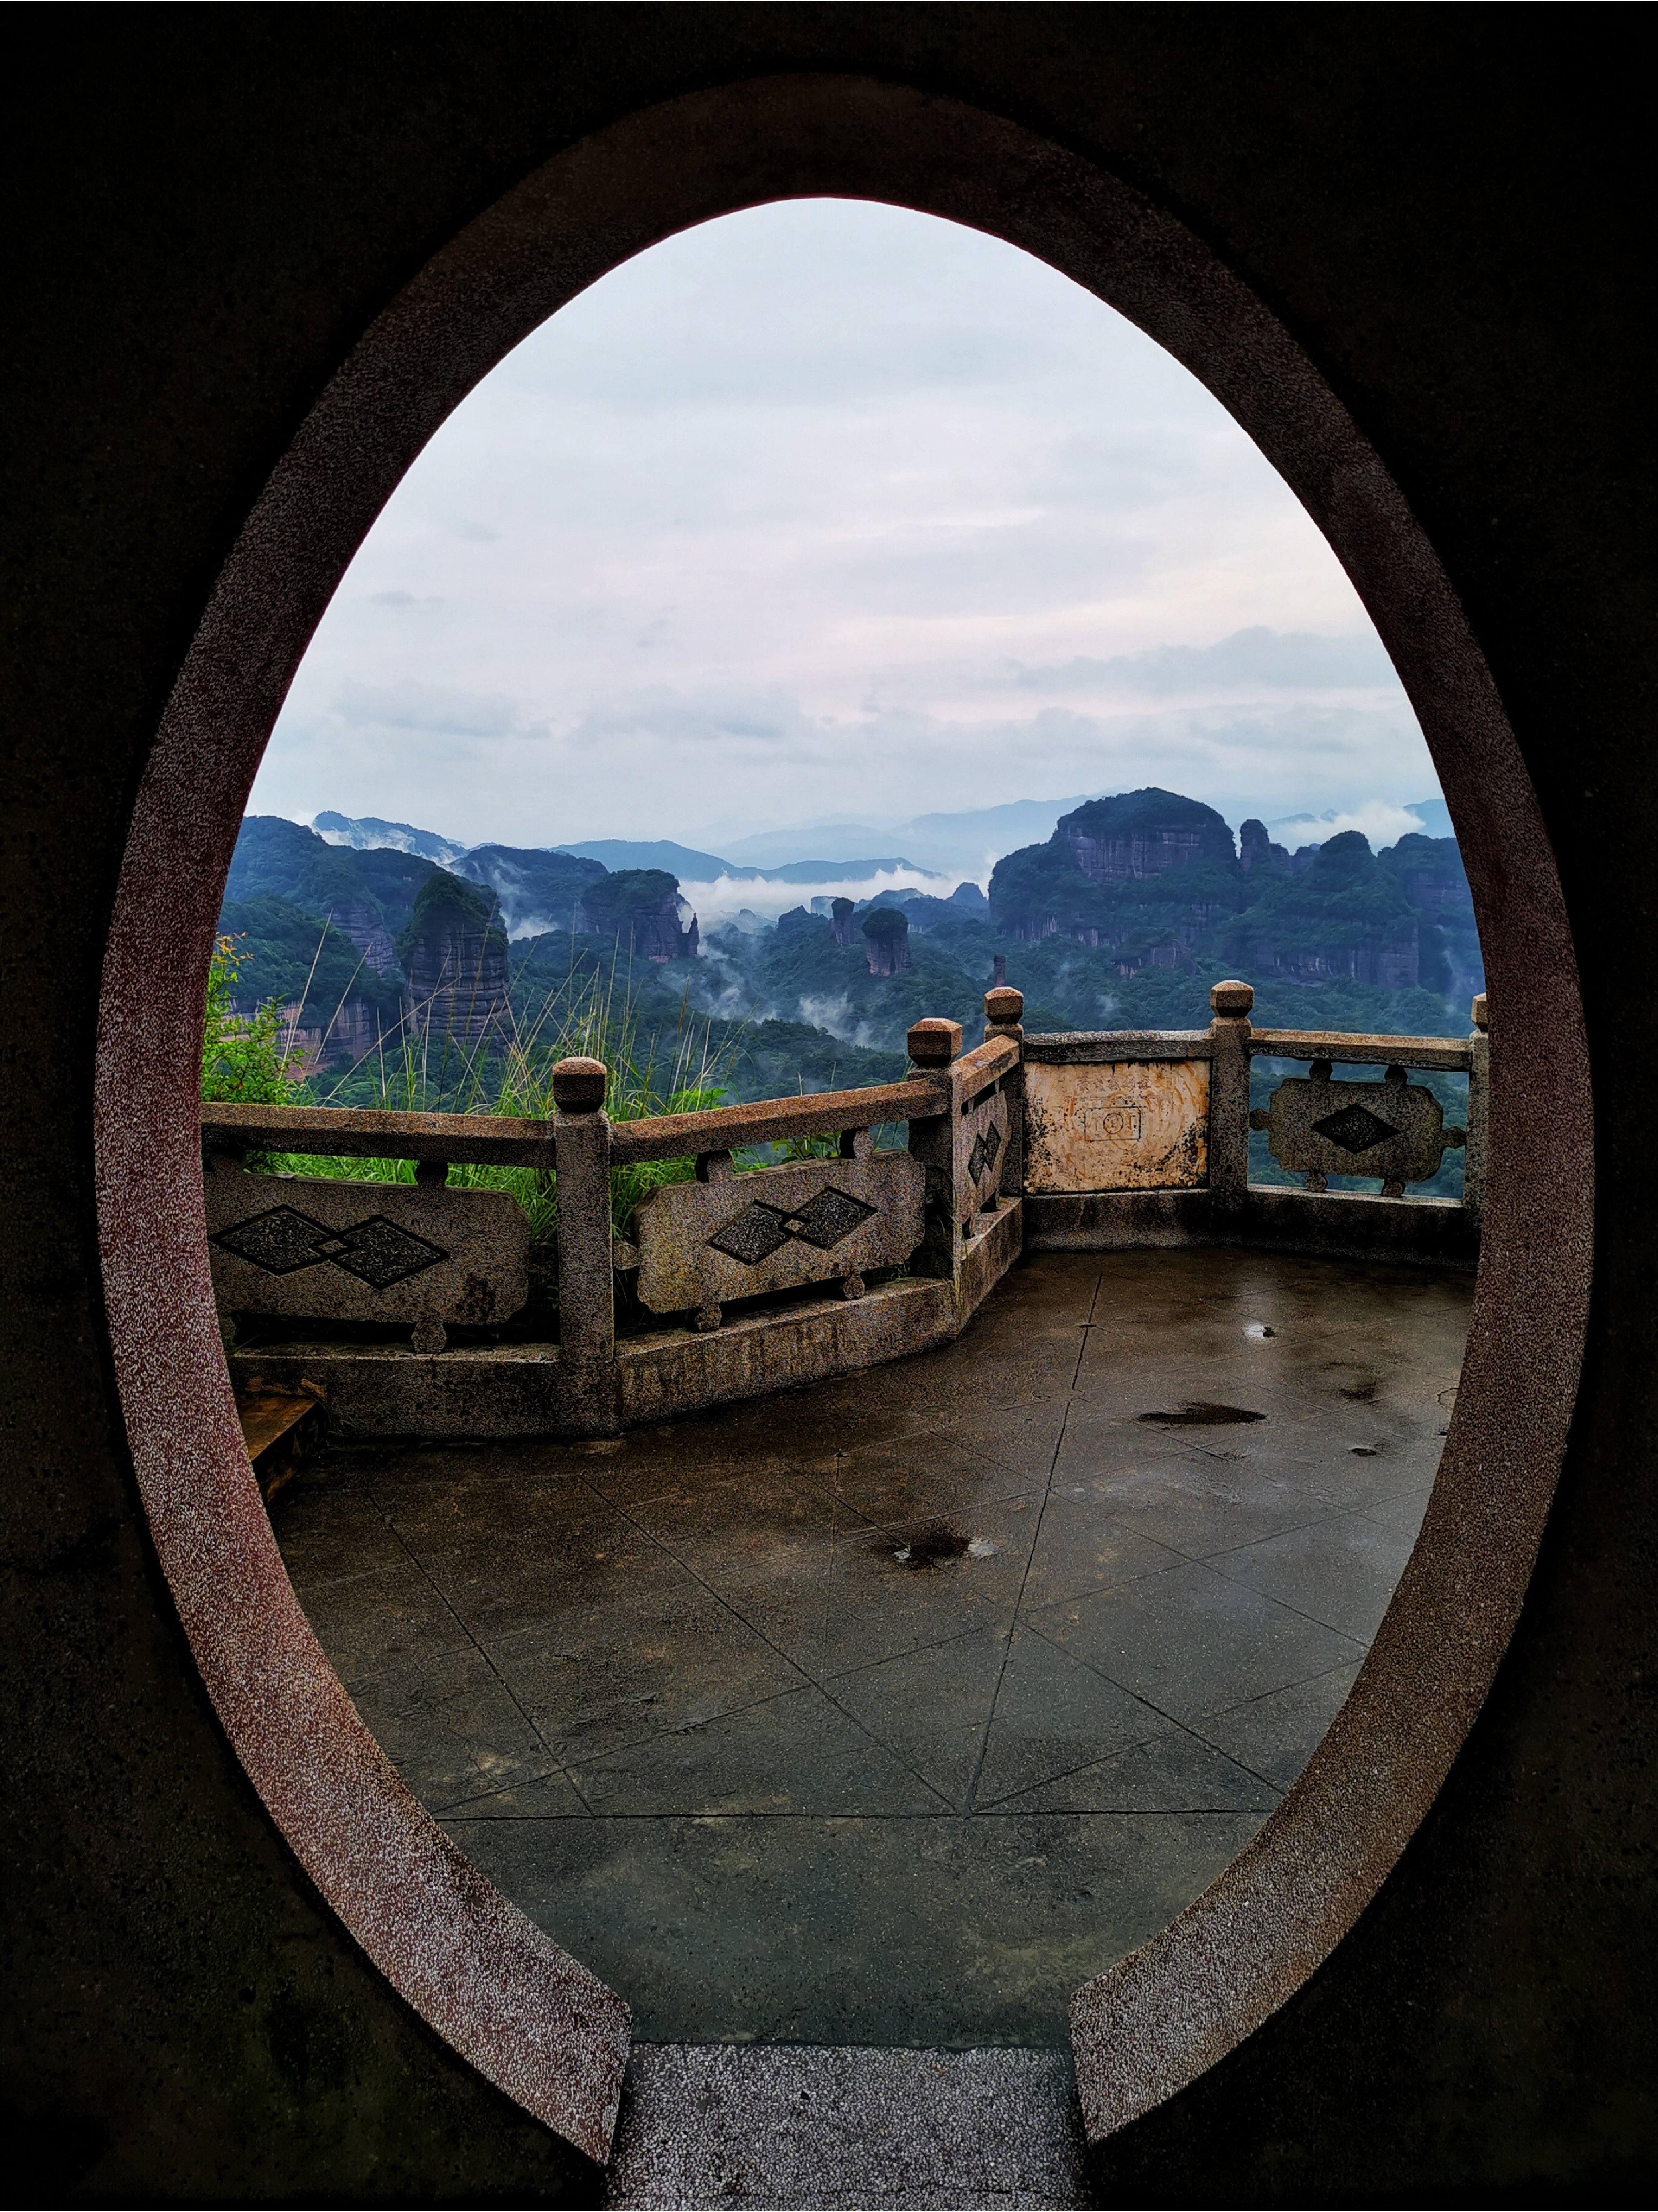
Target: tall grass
<point x="509" y="1073"/>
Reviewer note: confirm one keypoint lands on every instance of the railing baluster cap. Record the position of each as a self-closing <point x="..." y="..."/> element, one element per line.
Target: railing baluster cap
<point x="935" y="1042"/>
<point x="579" y="1085"/>
<point x="1481" y="1017"/>
<point x="1004" y="1005"/>
<point x="1231" y="1000"/>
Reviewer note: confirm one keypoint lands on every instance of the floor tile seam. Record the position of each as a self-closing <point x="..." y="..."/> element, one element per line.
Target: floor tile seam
<point x="354" y="1682"/>
<point x="1135" y="1743"/>
<point x="797" y="1480"/>
<point x="938" y="1508"/>
<point x="1138" y="1696"/>
<point x="911" y="1650"/>
<point x="1211" y="1713"/>
<point x="809" y="1680"/>
<point x="1361" y="1644"/>
<point x="547" y="1750"/>
<point x="606" y="1510"/>
<point x="1280" y="1790"/>
<point x="1036" y="1539"/>
<point x="1243" y="1704"/>
<point x="1299" y="1529"/>
<point x="1224" y="1712"/>
<point x="1099" y="1590"/>
<point x="456" y="1807"/>
<point x="1207" y="1559"/>
<point x="686" y="1727"/>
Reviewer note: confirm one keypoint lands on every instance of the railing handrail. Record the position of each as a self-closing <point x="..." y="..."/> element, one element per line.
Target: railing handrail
<point x="1345" y="1047"/>
<point x="492" y="1141"/>
<point x="370" y="1132"/>
<point x="771" y="1121"/>
<point x="985" y="1064"/>
<point x="1086" y="1047"/>
<point x="1349" y="1048"/>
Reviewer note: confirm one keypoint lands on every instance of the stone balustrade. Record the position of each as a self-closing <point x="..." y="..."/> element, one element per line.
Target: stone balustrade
<point x="754" y="1280"/>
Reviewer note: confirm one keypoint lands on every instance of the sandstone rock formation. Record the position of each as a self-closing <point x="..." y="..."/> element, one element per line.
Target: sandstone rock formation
<point x="1143" y="833"/>
<point x="453" y="952"/>
<point x="886" y="940"/>
<point x="640" y="908"/>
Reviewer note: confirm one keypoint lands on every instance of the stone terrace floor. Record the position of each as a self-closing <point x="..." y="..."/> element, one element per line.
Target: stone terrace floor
<point x="885" y="1712"/>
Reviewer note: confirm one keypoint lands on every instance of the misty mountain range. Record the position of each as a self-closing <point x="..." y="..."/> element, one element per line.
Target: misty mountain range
<point x="928" y="844"/>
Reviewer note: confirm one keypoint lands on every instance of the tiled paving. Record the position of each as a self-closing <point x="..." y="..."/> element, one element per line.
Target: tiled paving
<point x="886" y="1712"/>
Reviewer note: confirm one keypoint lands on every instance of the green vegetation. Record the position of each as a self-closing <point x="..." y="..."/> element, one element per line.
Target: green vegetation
<point x="244" y="1061"/>
<point x="585" y="1016"/>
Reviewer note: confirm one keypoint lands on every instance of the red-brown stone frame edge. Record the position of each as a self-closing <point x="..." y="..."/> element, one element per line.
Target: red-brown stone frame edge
<point x="529" y="2018"/>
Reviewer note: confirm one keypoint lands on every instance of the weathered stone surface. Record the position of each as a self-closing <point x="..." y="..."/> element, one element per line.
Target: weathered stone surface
<point x="933" y="1042"/>
<point x="1394" y="1130"/>
<point x="323" y="1250"/>
<point x="982" y="1133"/>
<point x="529" y="1390"/>
<point x="704" y="1243"/>
<point x="816" y="2127"/>
<point x="1125" y="1125"/>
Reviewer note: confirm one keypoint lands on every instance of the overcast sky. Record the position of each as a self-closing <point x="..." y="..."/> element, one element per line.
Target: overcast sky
<point x="833" y="511"/>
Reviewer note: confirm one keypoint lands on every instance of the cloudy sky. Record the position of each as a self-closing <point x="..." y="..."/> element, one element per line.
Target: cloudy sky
<point x="833" y="511"/>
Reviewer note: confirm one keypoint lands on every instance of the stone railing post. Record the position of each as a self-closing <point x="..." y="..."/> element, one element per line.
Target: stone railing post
<point x="1229" y="1097"/>
<point x="1479" y="1093"/>
<point x="1004" y="1017"/>
<point x="586" y="1311"/>
<point x="934" y="1046"/>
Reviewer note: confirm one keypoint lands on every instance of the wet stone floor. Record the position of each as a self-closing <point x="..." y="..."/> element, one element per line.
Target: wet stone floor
<point x="887" y="1711"/>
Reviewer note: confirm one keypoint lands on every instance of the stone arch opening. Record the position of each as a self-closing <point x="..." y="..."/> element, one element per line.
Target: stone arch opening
<point x="533" y="2020"/>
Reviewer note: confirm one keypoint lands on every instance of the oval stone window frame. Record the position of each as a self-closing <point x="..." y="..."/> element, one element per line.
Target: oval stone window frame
<point x="531" y="2019"/>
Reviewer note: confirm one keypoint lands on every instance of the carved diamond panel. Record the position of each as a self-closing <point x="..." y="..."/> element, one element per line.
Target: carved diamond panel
<point x="377" y="1251"/>
<point x="754" y="1235"/>
<point x="1356" y="1129"/>
<point x="816" y="1221"/>
<point x="339" y="1250"/>
<point x="1394" y="1130"/>
<point x="825" y="1219"/>
<point x="281" y="1241"/>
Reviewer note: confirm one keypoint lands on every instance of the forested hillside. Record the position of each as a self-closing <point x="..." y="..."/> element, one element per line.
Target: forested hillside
<point x="1122" y="918"/>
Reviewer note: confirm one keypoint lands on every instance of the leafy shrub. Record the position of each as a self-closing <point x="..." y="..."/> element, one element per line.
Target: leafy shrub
<point x="244" y="1062"/>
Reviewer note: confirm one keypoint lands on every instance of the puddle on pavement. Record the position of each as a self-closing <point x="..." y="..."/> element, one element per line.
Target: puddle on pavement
<point x="1203" y="1413"/>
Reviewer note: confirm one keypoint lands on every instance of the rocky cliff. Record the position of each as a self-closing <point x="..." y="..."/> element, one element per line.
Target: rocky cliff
<point x="453" y="952"/>
<point x="1143" y="833"/>
<point x="400" y="937"/>
<point x="537" y="890"/>
<point x="1151" y="879"/>
<point x="1344" y="917"/>
<point x="640" y="908"/>
<point x="886" y="940"/>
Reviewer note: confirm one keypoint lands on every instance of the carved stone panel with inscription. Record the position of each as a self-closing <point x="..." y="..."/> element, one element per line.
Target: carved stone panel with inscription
<point x="703" y="1244"/>
<point x="1128" y="1125"/>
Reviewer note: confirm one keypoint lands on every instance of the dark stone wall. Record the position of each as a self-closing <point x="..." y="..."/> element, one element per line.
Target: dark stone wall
<point x="1452" y="209"/>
